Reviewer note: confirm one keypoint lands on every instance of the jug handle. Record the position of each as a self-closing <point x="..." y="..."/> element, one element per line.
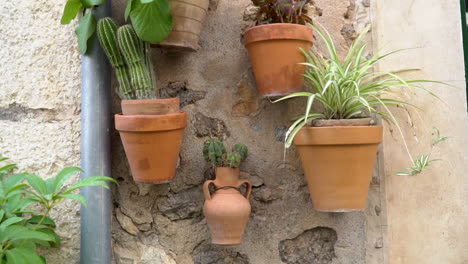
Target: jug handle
<point x="249" y="188"/>
<point x="206" y="189"/>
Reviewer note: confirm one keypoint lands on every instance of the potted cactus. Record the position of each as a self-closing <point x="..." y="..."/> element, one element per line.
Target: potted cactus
<point x="188" y="16"/>
<point x="338" y="141"/>
<point x="151" y="129"/>
<point x="273" y="45"/>
<point x="227" y="210"/>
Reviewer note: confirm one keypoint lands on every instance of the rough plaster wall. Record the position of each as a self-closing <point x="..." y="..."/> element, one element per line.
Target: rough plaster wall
<point x="164" y="223"/>
<point x="39" y="102"/>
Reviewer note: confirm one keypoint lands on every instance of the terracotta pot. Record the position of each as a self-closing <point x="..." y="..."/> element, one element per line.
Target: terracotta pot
<point x="151" y="106"/>
<point x="188" y="17"/>
<point x="275" y="56"/>
<point x="338" y="163"/>
<point x="227" y="211"/>
<point x="152" y="142"/>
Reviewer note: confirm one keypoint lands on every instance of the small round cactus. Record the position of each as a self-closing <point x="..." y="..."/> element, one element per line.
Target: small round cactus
<point x="214" y="152"/>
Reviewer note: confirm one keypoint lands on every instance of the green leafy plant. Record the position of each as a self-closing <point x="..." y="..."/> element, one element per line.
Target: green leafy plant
<point x="351" y="87"/>
<point x="130" y="58"/>
<point x="151" y="18"/>
<point x="214" y="152"/>
<point x="282" y="11"/>
<point x="22" y="228"/>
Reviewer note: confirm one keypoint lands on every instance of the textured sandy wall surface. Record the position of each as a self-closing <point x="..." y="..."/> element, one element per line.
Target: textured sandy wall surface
<point x="427" y="214"/>
<point x="39" y="101"/>
<point x="164" y="223"/>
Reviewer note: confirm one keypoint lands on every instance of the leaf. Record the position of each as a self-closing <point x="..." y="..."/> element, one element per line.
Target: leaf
<point x="17" y="232"/>
<point x="91" y="3"/>
<point x="77" y="197"/>
<point x="28" y="256"/>
<point x="47" y="220"/>
<point x="146" y="1"/>
<point x="85" y="30"/>
<point x="9" y="222"/>
<point x="72" y="7"/>
<point x="152" y="21"/>
<point x="91" y="181"/>
<point x="62" y="176"/>
<point x="37" y="184"/>
<point x="128" y="9"/>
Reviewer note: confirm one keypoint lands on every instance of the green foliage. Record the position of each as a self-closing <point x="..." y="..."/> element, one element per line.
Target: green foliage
<point x="22" y="228"/>
<point x="130" y="58"/>
<point x="151" y="19"/>
<point x="88" y="23"/>
<point x="282" y="11"/>
<point x="214" y="152"/>
<point x="349" y="88"/>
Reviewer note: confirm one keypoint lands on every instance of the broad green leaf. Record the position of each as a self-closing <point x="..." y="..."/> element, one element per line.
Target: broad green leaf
<point x="47" y="220"/>
<point x="62" y="176"/>
<point x="17" y="232"/>
<point x="152" y="21"/>
<point x="37" y="184"/>
<point x="85" y="30"/>
<point x="28" y="255"/>
<point x="8" y="168"/>
<point x="14" y="257"/>
<point x="91" y="181"/>
<point x="91" y="3"/>
<point x="72" y="7"/>
<point x="57" y="239"/>
<point x="146" y="1"/>
<point x="77" y="197"/>
<point x="128" y="9"/>
<point x="9" y="222"/>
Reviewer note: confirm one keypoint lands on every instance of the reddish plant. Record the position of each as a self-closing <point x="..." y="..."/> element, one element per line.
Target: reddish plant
<point x="282" y="11"/>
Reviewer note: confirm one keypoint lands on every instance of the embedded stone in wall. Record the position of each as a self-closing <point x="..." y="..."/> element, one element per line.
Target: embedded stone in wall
<point x="210" y="127"/>
<point x="182" y="205"/>
<point x="126" y="223"/>
<point x="314" y="246"/>
<point x="179" y="89"/>
<point x="207" y="253"/>
<point x="248" y="102"/>
<point x="266" y="194"/>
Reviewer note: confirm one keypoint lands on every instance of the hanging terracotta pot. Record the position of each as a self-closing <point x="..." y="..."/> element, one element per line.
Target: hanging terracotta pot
<point x="188" y="17"/>
<point x="338" y="163"/>
<point x="275" y="56"/>
<point x="151" y="133"/>
<point x="227" y="211"/>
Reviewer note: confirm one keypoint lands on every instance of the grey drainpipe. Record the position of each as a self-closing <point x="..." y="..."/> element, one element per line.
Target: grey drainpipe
<point x="95" y="150"/>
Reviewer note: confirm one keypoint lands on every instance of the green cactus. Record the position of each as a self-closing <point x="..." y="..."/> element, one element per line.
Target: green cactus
<point x="215" y="153"/>
<point x="242" y="150"/>
<point x="132" y="49"/>
<point x="107" y="34"/>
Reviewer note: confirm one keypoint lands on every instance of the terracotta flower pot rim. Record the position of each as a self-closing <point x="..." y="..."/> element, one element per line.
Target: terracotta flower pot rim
<point x="197" y="3"/>
<point x="147" y="123"/>
<point x="174" y="100"/>
<point x="290" y="31"/>
<point x="339" y="135"/>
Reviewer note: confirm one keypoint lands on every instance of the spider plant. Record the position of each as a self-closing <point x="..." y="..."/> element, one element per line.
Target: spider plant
<point x="351" y="88"/>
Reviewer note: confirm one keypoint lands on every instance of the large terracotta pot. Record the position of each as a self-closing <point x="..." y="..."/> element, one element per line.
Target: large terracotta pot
<point x="188" y="17"/>
<point x="227" y="211"/>
<point x="338" y="163"/>
<point x="152" y="142"/>
<point x="275" y="56"/>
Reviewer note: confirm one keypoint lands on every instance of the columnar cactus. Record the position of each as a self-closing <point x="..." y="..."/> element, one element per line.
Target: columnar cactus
<point x="132" y="50"/>
<point x="215" y="153"/>
<point x="107" y="35"/>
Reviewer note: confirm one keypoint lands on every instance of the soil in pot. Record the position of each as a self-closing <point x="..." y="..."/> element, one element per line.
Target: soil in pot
<point x="338" y="162"/>
<point x="227" y="210"/>
<point x="188" y="17"/>
<point x="152" y="133"/>
<point x="274" y="52"/>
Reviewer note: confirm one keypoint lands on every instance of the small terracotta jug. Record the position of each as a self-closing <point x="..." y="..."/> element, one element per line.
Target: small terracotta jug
<point x="227" y="211"/>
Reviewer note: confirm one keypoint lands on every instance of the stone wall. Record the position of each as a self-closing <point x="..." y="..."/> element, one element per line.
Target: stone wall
<point x="164" y="223"/>
<point x="39" y="114"/>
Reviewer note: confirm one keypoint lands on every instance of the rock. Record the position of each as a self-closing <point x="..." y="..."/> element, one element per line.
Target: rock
<point x="183" y="205"/>
<point x="179" y="89"/>
<point x="366" y="3"/>
<point x="248" y="102"/>
<point x="206" y="253"/>
<point x="314" y="246"/>
<point x="254" y="179"/>
<point x="210" y="127"/>
<point x="280" y="133"/>
<point x="126" y="223"/>
<point x="144" y="254"/>
<point x="266" y="194"/>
